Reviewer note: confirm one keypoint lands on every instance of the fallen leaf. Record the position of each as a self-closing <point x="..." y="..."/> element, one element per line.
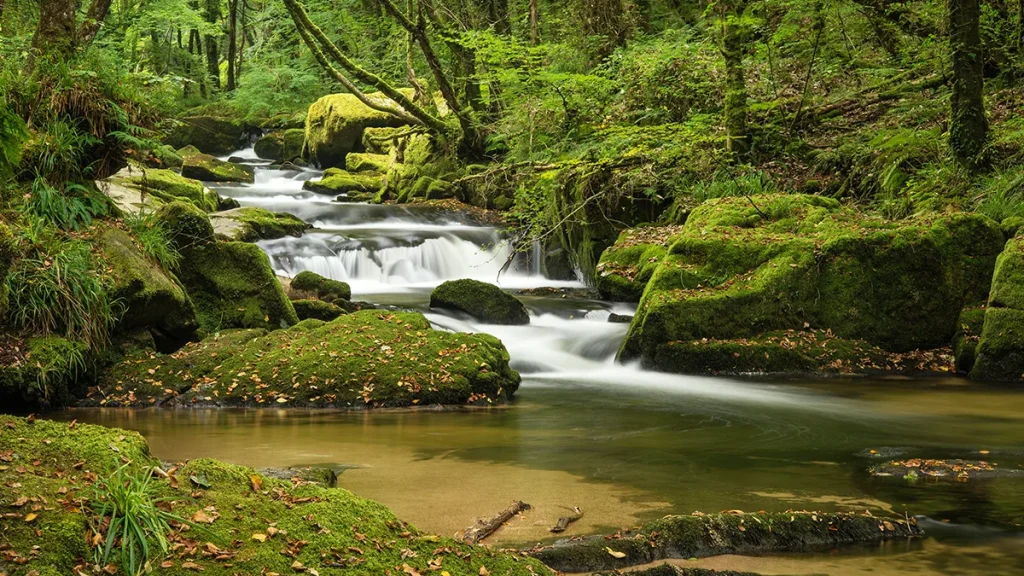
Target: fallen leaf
<point x="259" y="537"/>
<point x="257" y="483"/>
<point x="484" y="571"/>
<point x="615" y="553"/>
<point x="31" y="516"/>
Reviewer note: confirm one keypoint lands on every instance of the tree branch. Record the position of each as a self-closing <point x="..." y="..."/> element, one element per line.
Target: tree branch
<point x="93" y="19"/>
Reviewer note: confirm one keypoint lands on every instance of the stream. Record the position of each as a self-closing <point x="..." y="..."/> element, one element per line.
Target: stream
<point x="625" y="445"/>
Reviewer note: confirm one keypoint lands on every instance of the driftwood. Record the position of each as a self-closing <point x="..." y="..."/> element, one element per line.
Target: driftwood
<point x="703" y="535"/>
<point x="564" y="521"/>
<point x="484" y="528"/>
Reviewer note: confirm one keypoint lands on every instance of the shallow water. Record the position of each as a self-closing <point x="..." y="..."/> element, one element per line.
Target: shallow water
<point x="624" y="444"/>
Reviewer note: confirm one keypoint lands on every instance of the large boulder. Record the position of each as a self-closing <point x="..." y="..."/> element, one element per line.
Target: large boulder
<point x="485" y="302"/>
<point x="1000" y="351"/>
<point x="780" y="272"/>
<point x="209" y="169"/>
<point x="354" y="187"/>
<point x="626" y="267"/>
<point x="169" y="186"/>
<point x="281" y="145"/>
<point x="365" y="359"/>
<point x="186" y="225"/>
<point x="335" y="126"/>
<point x="209" y="134"/>
<point x="152" y="298"/>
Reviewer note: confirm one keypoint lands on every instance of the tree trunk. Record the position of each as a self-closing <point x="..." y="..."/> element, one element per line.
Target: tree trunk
<point x="232" y="42"/>
<point x="968" y="126"/>
<point x="55" y="33"/>
<point x="733" y="47"/>
<point x="212" y="16"/>
<point x="534" y="23"/>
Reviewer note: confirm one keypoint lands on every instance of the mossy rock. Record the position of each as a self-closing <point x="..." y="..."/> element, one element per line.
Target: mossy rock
<point x="281" y="145"/>
<point x="335" y="125"/>
<point x="383" y="140"/>
<point x="625" y="267"/>
<point x="209" y="169"/>
<point x="317" y="310"/>
<point x="340" y="182"/>
<point x="331" y="522"/>
<point x="1000" y="351"/>
<point x="366" y="359"/>
<point x="965" y="341"/>
<point x="357" y="162"/>
<point x="426" y="188"/>
<point x="169" y="186"/>
<point x="319" y="287"/>
<point x="1013" y="225"/>
<point x="250" y="224"/>
<point x="208" y="134"/>
<point x="233" y="286"/>
<point x="743" y="267"/>
<point x="189" y="150"/>
<point x="150" y="294"/>
<point x="186" y="225"/>
<point x="41" y="374"/>
<point x="164" y="156"/>
<point x="485" y="302"/>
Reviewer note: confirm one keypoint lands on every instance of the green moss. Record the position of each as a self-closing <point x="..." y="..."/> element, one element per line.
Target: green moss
<point x="485" y="302"/>
<point x="208" y="134"/>
<point x="376" y="163"/>
<point x="368" y="358"/>
<point x="382" y="140"/>
<point x="740" y="268"/>
<point x="965" y="341"/>
<point x="340" y="532"/>
<point x="1000" y="352"/>
<point x="188" y="151"/>
<point x="1013" y="225"/>
<point x="337" y="181"/>
<point x="335" y="125"/>
<point x="316" y="309"/>
<point x="42" y="374"/>
<point x="169" y="186"/>
<point x="166" y="156"/>
<point x="149" y="293"/>
<point x="209" y="169"/>
<point x="186" y="225"/>
<point x="281" y="145"/>
<point x="250" y="224"/>
<point x="627" y="266"/>
<point x="233" y="286"/>
<point x="321" y="288"/>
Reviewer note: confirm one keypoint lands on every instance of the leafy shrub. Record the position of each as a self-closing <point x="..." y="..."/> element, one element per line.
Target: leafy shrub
<point x="74" y="208"/>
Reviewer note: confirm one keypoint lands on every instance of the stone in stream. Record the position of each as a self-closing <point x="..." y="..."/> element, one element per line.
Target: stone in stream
<point x="338" y="181"/>
<point x="367" y="359"/>
<point x="702" y="535"/>
<point x="208" y="134"/>
<point x="209" y="169"/>
<point x="619" y="318"/>
<point x="310" y="284"/>
<point x="798" y="283"/>
<point x="485" y="302"/>
<point x="1000" y="351"/>
<point x="335" y="125"/>
<point x="250" y="224"/>
<point x="281" y="145"/>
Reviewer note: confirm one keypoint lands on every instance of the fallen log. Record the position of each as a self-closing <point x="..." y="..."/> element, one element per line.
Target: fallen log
<point x="484" y="528"/>
<point x="564" y="521"/>
<point x="703" y="535"/>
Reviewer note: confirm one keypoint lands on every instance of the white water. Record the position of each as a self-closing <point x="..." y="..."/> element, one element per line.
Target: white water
<point x="398" y="254"/>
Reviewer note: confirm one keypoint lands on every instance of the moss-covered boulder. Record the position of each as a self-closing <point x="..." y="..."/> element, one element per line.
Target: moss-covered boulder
<point x="151" y="297"/>
<point x="362" y="162"/>
<point x="625" y="268"/>
<point x="366" y="359"/>
<point x="186" y="225"/>
<point x="485" y="302"/>
<point x="209" y="169"/>
<point x="316" y="310"/>
<point x="164" y="156"/>
<point x="233" y="286"/>
<point x="312" y="285"/>
<point x="208" y="134"/>
<point x="968" y="333"/>
<point x="335" y="125"/>
<point x="39" y="373"/>
<point x="383" y="140"/>
<point x="169" y="186"/>
<point x="1000" y="351"/>
<point x="281" y="145"/>
<point x="248" y="517"/>
<point x="250" y="224"/>
<point x="741" y="268"/>
<point x="339" y="182"/>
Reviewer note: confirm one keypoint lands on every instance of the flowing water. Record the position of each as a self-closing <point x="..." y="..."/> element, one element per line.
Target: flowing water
<point x="624" y="444"/>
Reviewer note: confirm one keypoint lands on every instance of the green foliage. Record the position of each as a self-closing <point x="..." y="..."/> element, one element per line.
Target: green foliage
<point x="154" y="237"/>
<point x="12" y="135"/>
<point x="127" y="510"/>
<point x="1002" y="195"/>
<point x="74" y="208"/>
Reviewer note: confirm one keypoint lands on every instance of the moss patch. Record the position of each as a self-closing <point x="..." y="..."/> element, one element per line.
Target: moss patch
<point x="335" y="125"/>
<point x="483" y="301"/>
<point x="340" y="182"/>
<point x="1000" y="351"/>
<point x="316" y="310"/>
<point x="209" y="169"/>
<point x="187" y="225"/>
<point x="321" y="288"/>
<point x="39" y="373"/>
<point x="53" y="467"/>
<point x="250" y="224"/>
<point x="741" y="268"/>
<point x="625" y="267"/>
<point x="169" y="186"/>
<point x="365" y="359"/>
<point x="362" y="162"/>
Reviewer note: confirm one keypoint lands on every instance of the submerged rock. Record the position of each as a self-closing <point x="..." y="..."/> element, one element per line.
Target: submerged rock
<point x="365" y="359"/>
<point x="1000" y="351"/>
<point x="756" y="284"/>
<point x="281" y="145"/>
<point x="485" y="302"/>
<point x="208" y="134"/>
<point x="335" y="125"/>
<point x="702" y="535"/>
<point x="209" y="169"/>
